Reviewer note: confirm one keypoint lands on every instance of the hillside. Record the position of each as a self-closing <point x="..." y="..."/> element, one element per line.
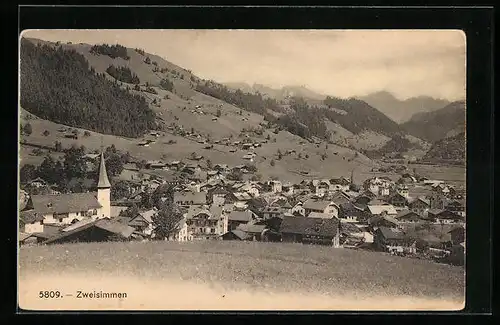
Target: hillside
<point x="451" y="149"/>
<point x="190" y="120"/>
<point x="357" y="116"/>
<point x="434" y="126"/>
<point x="59" y="85"/>
<point x="401" y="111"/>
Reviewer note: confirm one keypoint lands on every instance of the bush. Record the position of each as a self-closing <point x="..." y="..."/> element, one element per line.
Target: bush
<point x="46" y="133"/>
<point x="272" y="163"/>
<point x="86" y="133"/>
<point x="167" y="85"/>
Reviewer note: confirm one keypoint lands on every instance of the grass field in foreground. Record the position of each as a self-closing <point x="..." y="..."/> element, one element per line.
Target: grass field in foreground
<point x="277" y="267"/>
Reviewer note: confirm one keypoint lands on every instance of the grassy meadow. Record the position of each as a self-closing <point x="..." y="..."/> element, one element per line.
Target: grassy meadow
<point x="250" y="267"/>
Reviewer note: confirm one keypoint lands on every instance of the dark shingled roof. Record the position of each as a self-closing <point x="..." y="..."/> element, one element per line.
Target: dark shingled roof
<point x="111" y="226"/>
<point x="241" y="215"/>
<point x="388" y="233"/>
<point x="65" y="203"/>
<point x="310" y="226"/>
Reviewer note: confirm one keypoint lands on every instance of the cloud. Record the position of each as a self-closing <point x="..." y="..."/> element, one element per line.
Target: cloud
<point x="341" y="63"/>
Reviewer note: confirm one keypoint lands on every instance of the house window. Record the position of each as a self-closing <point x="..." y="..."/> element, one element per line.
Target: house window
<point x="41" y="222"/>
<point x="60" y="219"/>
<point x="212" y="230"/>
<point x="94" y="213"/>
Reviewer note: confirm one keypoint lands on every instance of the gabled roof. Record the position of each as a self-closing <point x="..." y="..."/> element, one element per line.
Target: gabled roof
<point x="246" y="215"/>
<point x="65" y="203"/>
<point x="310" y="226"/>
<point x="148" y="215"/>
<point x="316" y="204"/>
<point x="104" y="224"/>
<point x="253" y="229"/>
<point x="378" y="209"/>
<point x="389" y="233"/>
<point x="319" y="215"/>
<point x="407" y="213"/>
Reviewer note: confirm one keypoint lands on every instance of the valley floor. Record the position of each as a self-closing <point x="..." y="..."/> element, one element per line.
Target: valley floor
<point x="234" y="276"/>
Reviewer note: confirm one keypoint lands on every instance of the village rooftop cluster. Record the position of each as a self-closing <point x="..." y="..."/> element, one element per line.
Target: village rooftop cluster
<point x="413" y="217"/>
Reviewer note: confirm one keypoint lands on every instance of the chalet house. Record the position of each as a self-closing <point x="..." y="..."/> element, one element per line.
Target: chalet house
<point x="393" y="241"/>
<point x="276" y="186"/>
<point x="351" y="236"/>
<point x="311" y="231"/>
<point x="182" y="234"/>
<point x="340" y="197"/>
<point x="350" y="213"/>
<point x="456" y="206"/>
<point x="252" y="232"/>
<point x="378" y="208"/>
<point x="397" y="200"/>
<point x="236" y="218"/>
<point x="288" y="188"/>
<point x="443" y="216"/>
<point x="328" y="207"/>
<point x="218" y="195"/>
<point x="92" y="231"/>
<point x="250" y="188"/>
<point x="298" y="209"/>
<point x="457" y="235"/>
<point x="403" y="191"/>
<point x="31" y="222"/>
<point x="383" y="220"/>
<point x="340" y="184"/>
<point x="143" y="222"/>
<point x="323" y="187"/>
<point x="271" y="212"/>
<point x="206" y="223"/>
<point x="408" y="216"/>
<point x="190" y="198"/>
<point x="419" y="205"/>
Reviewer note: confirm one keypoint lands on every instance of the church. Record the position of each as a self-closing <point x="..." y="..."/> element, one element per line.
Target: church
<point x="66" y="209"/>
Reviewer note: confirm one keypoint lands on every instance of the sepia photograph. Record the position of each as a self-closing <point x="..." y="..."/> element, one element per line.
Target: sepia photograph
<point x="239" y="169"/>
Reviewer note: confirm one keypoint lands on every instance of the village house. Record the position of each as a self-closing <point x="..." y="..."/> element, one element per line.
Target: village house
<point x="394" y="241"/>
<point x="397" y="200"/>
<point x="298" y="209"/>
<point x="350" y="213"/>
<point x="288" y="188"/>
<point x="65" y="209"/>
<point x="206" y="223"/>
<point x="276" y="186"/>
<point x="377" y="207"/>
<point x="328" y="207"/>
<point x="382" y="220"/>
<point x="143" y="222"/>
<point x="236" y="218"/>
<point x="246" y="232"/>
<point x="443" y="216"/>
<point x="271" y="212"/>
<point x="408" y="216"/>
<point x="182" y="232"/>
<point x="340" y="184"/>
<point x="339" y="198"/>
<point x="311" y="231"/>
<point x="419" y="205"/>
<point x="456" y="206"/>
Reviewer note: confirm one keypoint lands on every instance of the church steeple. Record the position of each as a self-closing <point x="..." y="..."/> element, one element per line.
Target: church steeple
<point x="103" y="175"/>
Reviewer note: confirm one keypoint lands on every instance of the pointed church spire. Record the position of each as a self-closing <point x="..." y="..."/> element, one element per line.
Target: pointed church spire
<point x="103" y="175"/>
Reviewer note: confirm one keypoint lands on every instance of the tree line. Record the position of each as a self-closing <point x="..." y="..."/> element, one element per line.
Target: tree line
<point x="123" y="74"/>
<point x="74" y="165"/>
<point x="113" y="51"/>
<point x="59" y="85"/>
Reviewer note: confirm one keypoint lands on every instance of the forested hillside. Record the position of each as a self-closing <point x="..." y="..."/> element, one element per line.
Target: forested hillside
<point x="356" y="115"/>
<point x="434" y="126"/>
<point x="450" y="149"/>
<point x="59" y="85"/>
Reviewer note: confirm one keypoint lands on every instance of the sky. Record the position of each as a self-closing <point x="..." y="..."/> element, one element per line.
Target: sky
<point x="343" y="63"/>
